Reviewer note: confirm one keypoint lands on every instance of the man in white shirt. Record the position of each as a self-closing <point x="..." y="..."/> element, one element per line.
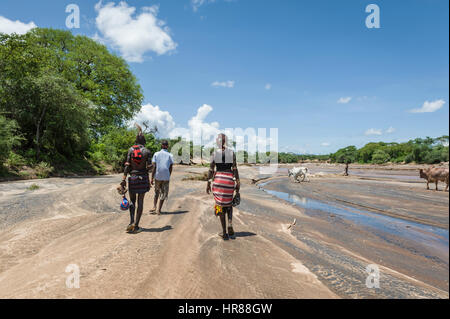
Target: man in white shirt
<point x="162" y="169"/>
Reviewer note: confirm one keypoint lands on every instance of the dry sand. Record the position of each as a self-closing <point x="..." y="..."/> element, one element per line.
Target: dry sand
<point x="180" y="255"/>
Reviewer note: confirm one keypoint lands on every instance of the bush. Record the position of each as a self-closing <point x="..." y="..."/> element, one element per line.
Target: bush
<point x="43" y="170"/>
<point x="8" y="137"/>
<point x="409" y="158"/>
<point x="380" y="157"/>
<point x="434" y="157"/>
<point x="15" y="161"/>
<point x="345" y="155"/>
<point x="444" y="155"/>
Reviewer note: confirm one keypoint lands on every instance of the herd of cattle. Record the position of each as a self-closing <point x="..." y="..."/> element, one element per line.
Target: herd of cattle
<point x="431" y="175"/>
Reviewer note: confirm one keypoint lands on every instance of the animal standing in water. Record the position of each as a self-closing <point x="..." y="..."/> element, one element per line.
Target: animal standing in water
<point x="299" y="174"/>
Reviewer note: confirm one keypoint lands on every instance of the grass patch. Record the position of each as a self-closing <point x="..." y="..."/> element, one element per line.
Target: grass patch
<point x="33" y="187"/>
<point x="197" y="177"/>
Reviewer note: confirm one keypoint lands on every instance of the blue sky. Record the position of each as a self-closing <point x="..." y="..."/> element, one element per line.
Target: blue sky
<point x="312" y="69"/>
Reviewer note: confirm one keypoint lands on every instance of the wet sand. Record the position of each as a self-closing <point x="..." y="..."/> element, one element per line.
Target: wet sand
<point x="343" y="225"/>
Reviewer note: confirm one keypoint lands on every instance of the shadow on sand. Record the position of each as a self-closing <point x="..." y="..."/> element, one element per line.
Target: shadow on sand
<point x="244" y="234"/>
<point x="155" y="230"/>
<point x="175" y="213"/>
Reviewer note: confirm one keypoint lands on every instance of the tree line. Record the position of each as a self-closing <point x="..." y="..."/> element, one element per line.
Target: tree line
<point x="422" y="151"/>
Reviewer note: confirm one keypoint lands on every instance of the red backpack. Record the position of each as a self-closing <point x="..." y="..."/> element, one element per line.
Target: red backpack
<point x="136" y="155"/>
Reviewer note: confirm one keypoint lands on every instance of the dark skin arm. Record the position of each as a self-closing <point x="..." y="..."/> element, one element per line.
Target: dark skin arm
<point x="212" y="165"/>
<point x="236" y="174"/>
<point x="153" y="173"/>
<point x="126" y="170"/>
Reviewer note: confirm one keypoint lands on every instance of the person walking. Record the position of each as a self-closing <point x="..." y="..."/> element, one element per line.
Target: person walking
<point x="162" y="170"/>
<point x="224" y="176"/>
<point x="137" y="166"/>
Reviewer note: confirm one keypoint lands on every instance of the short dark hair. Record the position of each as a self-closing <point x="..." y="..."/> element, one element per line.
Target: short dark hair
<point x="165" y="143"/>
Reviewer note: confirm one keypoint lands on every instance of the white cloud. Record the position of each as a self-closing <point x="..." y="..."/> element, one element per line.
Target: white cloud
<point x="268" y="86"/>
<point x="197" y="124"/>
<point x="344" y="100"/>
<point x="197" y="129"/>
<point x="154" y="116"/>
<point x="294" y="149"/>
<point x="133" y="35"/>
<point x="225" y="84"/>
<point x="196" y="4"/>
<point x="167" y="127"/>
<point x="8" y="26"/>
<point x="373" y="131"/>
<point x="325" y="144"/>
<point x="429" y="107"/>
<point x="390" y="130"/>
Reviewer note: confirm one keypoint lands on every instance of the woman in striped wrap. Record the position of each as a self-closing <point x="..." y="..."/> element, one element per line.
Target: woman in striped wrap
<point x="224" y="174"/>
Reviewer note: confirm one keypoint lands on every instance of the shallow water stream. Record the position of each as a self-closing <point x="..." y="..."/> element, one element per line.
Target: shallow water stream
<point x="429" y="236"/>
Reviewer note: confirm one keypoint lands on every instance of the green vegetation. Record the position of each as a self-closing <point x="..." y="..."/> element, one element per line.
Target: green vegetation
<point x="421" y="151"/>
<point x="8" y="138"/>
<point x="197" y="177"/>
<point x="295" y="158"/>
<point x="61" y="97"/>
<point x="33" y="187"/>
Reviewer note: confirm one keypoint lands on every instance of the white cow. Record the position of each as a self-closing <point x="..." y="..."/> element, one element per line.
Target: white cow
<point x="299" y="172"/>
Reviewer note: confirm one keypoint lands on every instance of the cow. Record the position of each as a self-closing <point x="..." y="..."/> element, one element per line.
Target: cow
<point x="297" y="172"/>
<point x="434" y="175"/>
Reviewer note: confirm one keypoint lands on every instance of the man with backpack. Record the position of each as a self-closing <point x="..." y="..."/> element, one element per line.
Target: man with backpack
<point x="137" y="165"/>
<point x="162" y="169"/>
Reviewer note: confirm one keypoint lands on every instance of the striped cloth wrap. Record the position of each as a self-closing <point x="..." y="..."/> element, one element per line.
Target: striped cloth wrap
<point x="223" y="188"/>
<point x="139" y="183"/>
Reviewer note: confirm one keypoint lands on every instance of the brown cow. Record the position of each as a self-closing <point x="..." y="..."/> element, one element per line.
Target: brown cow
<point x="434" y="175"/>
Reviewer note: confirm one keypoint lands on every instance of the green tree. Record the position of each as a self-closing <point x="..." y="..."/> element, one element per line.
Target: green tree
<point x="9" y="137"/>
<point x="99" y="76"/>
<point x="64" y="91"/>
<point x="59" y="116"/>
<point x="380" y="157"/>
<point x="112" y="148"/>
<point x="287" y="158"/>
<point x="345" y="155"/>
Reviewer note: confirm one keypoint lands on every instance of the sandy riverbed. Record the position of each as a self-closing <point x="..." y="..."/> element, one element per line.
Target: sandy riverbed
<point x="343" y="225"/>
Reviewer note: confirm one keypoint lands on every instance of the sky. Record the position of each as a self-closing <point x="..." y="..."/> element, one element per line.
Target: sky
<point x="311" y="69"/>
